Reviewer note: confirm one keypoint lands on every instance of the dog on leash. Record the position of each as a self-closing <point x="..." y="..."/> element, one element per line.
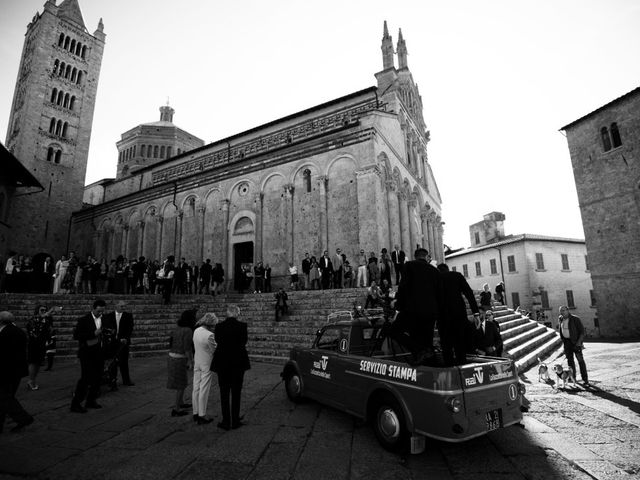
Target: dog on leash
<point x="543" y="371"/>
<point x="566" y="375"/>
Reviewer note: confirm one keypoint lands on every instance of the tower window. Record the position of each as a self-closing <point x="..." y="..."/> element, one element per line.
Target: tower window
<point x="79" y="77"/>
<point x="54" y="95"/>
<point x="155" y="151"/>
<point x="72" y="47"/>
<point x="134" y="150"/>
<point x="60" y="97"/>
<point x="58" y="127"/>
<point x="162" y="151"/>
<point x="307" y="179"/>
<point x="78" y="48"/>
<point x="50" y="154"/>
<point x="61" y="70"/>
<point x="143" y="150"/>
<point x="58" y="156"/>
<point x="72" y="102"/>
<point x="66" y="100"/>
<point x="52" y="126"/>
<point x="74" y="72"/>
<point x="67" y="40"/>
<point x="64" y="129"/>
<point x="61" y="40"/>
<point x="67" y="71"/>
<point x="84" y="51"/>
<point x="55" y="66"/>
<point x="606" y="141"/>
<point x="615" y="135"/>
<point x="169" y="151"/>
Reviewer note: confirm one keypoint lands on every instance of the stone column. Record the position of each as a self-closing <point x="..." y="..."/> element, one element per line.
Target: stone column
<point x="424" y="215"/>
<point x="177" y="242"/>
<point x="324" y="212"/>
<point x="140" y="237"/>
<point x="413" y="234"/>
<point x="432" y="233"/>
<point x="404" y="225"/>
<point x="368" y="194"/>
<point x="124" y="248"/>
<point x="225" y="240"/>
<point x="258" y="202"/>
<point x="395" y="237"/>
<point x="159" y="232"/>
<point x="289" y="189"/>
<point x="439" y="236"/>
<point x="201" y="211"/>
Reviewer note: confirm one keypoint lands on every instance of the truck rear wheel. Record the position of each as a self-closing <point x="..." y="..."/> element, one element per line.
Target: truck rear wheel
<point x="389" y="425"/>
<point x="293" y="386"/>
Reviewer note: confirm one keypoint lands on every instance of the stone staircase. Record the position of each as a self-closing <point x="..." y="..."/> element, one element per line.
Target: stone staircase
<point x="524" y="340"/>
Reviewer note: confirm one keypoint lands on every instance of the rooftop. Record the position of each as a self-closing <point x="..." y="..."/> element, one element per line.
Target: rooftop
<point x="515" y="239"/>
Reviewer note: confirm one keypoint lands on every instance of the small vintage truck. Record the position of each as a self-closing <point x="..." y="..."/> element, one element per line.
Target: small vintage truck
<point x="353" y="367"/>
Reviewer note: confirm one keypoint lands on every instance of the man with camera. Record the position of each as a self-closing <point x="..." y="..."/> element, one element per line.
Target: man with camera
<point x="572" y="335"/>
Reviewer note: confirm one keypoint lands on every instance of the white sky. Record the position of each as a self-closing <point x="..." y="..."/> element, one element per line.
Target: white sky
<point x="498" y="79"/>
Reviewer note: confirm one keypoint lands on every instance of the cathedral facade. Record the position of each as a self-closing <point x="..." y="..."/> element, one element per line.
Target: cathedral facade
<point x="352" y="173"/>
<point x="50" y="124"/>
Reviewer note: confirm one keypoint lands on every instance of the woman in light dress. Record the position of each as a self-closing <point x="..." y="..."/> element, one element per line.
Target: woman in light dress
<point x="60" y="272"/>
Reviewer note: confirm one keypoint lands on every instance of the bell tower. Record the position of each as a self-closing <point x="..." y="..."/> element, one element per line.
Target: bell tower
<point x="50" y="123"/>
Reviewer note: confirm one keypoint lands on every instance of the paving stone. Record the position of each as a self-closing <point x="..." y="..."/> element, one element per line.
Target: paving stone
<point x="303" y="414"/>
<point x="330" y="420"/>
<point x="477" y="456"/>
<point x="571" y="450"/>
<point x="278" y="461"/>
<point x="92" y="464"/>
<point x="515" y="441"/>
<point x="123" y="422"/>
<point x="207" y="470"/>
<point x="604" y="470"/>
<point x="29" y="461"/>
<point x="86" y="440"/>
<point x="546" y="467"/>
<point x="244" y="445"/>
<point x="321" y="447"/>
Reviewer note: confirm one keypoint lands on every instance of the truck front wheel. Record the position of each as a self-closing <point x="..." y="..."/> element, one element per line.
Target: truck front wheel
<point x="293" y="385"/>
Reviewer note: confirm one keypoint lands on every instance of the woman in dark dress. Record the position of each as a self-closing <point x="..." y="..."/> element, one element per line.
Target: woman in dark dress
<point x="180" y="359"/>
<point x="485" y="298"/>
<point x="39" y="330"/>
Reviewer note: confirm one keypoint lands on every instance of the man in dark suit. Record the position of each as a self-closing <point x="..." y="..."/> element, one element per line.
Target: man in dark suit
<point x="419" y="302"/>
<point x="326" y="270"/>
<point x="456" y="332"/>
<point x="398" y="258"/>
<point x="230" y="361"/>
<point x="88" y="333"/>
<point x="488" y="340"/>
<point x="13" y="366"/>
<point x="120" y="323"/>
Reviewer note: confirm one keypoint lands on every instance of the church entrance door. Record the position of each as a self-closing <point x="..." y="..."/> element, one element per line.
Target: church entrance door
<point x="242" y="257"/>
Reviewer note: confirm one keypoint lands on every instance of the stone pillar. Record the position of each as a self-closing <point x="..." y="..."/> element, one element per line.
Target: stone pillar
<point x="159" y="232"/>
<point x="424" y="215"/>
<point x="413" y="234"/>
<point x="404" y="225"/>
<point x="289" y="190"/>
<point x="258" y="200"/>
<point x="324" y="212"/>
<point x="395" y="237"/>
<point x="140" y="237"/>
<point x="367" y="188"/>
<point x="124" y="248"/>
<point x="177" y="243"/>
<point x="201" y="211"/>
<point x="432" y="234"/>
<point x="439" y="236"/>
<point x="225" y="240"/>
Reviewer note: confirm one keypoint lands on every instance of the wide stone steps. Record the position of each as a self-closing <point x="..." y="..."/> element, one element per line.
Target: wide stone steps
<point x="524" y="340"/>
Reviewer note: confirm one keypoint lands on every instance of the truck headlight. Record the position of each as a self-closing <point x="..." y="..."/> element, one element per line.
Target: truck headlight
<point x="454" y="404"/>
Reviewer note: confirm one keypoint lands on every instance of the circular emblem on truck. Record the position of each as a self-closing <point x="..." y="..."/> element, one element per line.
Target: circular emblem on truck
<point x="513" y="392"/>
<point x="343" y="345"/>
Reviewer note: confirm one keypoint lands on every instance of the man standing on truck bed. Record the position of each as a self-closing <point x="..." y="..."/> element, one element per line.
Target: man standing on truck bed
<point x="418" y="302"/>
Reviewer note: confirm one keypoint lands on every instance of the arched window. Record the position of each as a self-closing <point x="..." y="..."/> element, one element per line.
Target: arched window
<point x="615" y="135"/>
<point x="179" y="151"/>
<point x="74" y="72"/>
<point x="64" y="130"/>
<point x="66" y="43"/>
<point x="169" y="152"/>
<point x="72" y="48"/>
<point x="66" y="101"/>
<point x="54" y="95"/>
<point x="84" y="51"/>
<point x="55" y="66"/>
<point x="52" y="125"/>
<point x="78" y="48"/>
<point x="61" y="71"/>
<point x="79" y="77"/>
<point x="60" y="98"/>
<point x="61" y="39"/>
<point x="143" y="150"/>
<point x="307" y="179"/>
<point x="67" y="71"/>
<point x="162" y="151"/>
<point x="119" y="157"/>
<point x="72" y="102"/>
<point x="50" y="154"/>
<point x="155" y="151"/>
<point x="134" y="150"/>
<point x="606" y="141"/>
<point x="58" y="156"/>
<point x="58" y="127"/>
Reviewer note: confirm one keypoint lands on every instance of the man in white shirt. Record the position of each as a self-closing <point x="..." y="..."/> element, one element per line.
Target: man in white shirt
<point x="88" y="333"/>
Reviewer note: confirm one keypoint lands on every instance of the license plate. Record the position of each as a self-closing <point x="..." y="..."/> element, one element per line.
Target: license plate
<point x="494" y="419"/>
